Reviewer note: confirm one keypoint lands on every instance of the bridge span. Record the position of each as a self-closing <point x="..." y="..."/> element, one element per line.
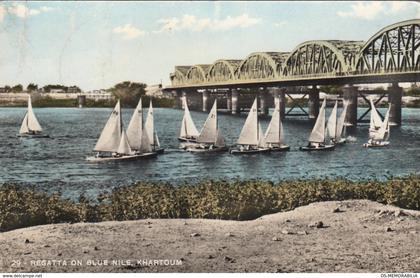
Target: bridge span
<point x="390" y="56"/>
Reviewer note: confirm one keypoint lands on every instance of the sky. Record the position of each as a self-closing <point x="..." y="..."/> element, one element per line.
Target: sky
<point x="95" y="45"/>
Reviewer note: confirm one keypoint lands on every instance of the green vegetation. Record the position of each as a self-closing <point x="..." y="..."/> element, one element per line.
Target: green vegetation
<point x="128" y="92"/>
<point x="237" y="200"/>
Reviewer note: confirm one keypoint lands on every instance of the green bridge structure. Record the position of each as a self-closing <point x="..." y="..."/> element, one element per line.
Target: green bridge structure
<point x="391" y="56"/>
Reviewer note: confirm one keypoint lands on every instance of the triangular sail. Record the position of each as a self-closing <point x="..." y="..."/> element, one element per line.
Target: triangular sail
<point x="149" y="125"/>
<point x="188" y="128"/>
<point x="24" y="127"/>
<point x="274" y="132"/>
<point x="30" y="119"/>
<point x="208" y="133"/>
<point x="135" y="127"/>
<point x="249" y="133"/>
<point x="220" y="141"/>
<point x="110" y="138"/>
<point x="318" y="132"/>
<point x="383" y="132"/>
<point x="261" y="137"/>
<point x="124" y="146"/>
<point x="375" y="121"/>
<point x="332" y="122"/>
<point x="146" y="147"/>
<point x="340" y="123"/>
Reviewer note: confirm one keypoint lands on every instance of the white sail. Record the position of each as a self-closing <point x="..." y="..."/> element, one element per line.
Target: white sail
<point x="124" y="146"/>
<point x="383" y="132"/>
<point x="220" y="141"/>
<point x="318" y="132"/>
<point x="249" y="133"/>
<point x="375" y="121"/>
<point x="24" y="127"/>
<point x="135" y="127"/>
<point x="274" y="132"/>
<point x="146" y="147"/>
<point x="110" y="138"/>
<point x="30" y="122"/>
<point x="208" y="133"/>
<point x="188" y="128"/>
<point x="340" y="123"/>
<point x="149" y="125"/>
<point x="332" y="123"/>
<point x="261" y="138"/>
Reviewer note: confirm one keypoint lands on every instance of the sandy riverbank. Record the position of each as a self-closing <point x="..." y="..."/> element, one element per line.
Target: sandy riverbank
<point x="363" y="236"/>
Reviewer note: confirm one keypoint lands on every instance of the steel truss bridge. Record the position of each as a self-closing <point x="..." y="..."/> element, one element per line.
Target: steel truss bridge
<point x="390" y="55"/>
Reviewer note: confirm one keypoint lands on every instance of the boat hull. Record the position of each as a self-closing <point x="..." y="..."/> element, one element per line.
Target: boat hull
<point x="206" y="150"/>
<point x="27" y="135"/>
<point x="238" y="151"/>
<point x="121" y="158"/>
<point x="183" y="139"/>
<point x="159" y="150"/>
<point x="283" y="148"/>
<point x="376" y="145"/>
<point x="321" y="148"/>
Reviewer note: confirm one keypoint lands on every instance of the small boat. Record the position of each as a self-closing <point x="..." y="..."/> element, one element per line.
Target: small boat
<point x="378" y="130"/>
<point x="30" y="127"/>
<point x="251" y="140"/>
<point x="189" y="132"/>
<point x="149" y="128"/>
<point x="210" y="138"/>
<point x="335" y="126"/>
<point x="113" y="143"/>
<point x="274" y="135"/>
<point x="317" y="138"/>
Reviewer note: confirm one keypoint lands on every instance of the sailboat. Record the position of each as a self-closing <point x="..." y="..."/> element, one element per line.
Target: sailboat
<point x="251" y="139"/>
<point x="317" y="138"/>
<point x="274" y="135"/>
<point x="30" y="126"/>
<point x="335" y="126"/>
<point x="189" y="132"/>
<point x="113" y="143"/>
<point x="149" y="128"/>
<point x="210" y="138"/>
<point x="378" y="130"/>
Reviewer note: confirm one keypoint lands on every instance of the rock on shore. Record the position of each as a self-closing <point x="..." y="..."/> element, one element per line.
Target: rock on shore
<point x="361" y="236"/>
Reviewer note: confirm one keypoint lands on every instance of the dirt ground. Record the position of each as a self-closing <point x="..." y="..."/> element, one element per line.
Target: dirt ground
<point x="356" y="236"/>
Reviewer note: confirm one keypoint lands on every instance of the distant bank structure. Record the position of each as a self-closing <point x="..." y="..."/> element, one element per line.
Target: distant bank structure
<point x="392" y="55"/>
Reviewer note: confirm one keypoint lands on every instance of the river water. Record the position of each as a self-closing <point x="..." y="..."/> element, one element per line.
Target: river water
<point x="58" y="164"/>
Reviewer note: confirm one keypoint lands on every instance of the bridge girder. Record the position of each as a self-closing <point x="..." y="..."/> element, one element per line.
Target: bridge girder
<point x="261" y="65"/>
<point x="332" y="57"/>
<point x="197" y="74"/>
<point x="179" y="75"/>
<point x="395" y="48"/>
<point x="222" y="70"/>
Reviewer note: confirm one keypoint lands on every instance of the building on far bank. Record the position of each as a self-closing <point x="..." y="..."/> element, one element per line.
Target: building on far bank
<point x="99" y="95"/>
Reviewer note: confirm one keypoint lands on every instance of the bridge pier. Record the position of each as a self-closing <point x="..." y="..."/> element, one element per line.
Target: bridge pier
<point x="183" y="98"/>
<point x="313" y="103"/>
<point x="178" y="99"/>
<point x="262" y="96"/>
<point x="229" y="102"/>
<point x="350" y="95"/>
<point x="235" y="102"/>
<point x="394" y="98"/>
<point x="205" y="101"/>
<point x="280" y="100"/>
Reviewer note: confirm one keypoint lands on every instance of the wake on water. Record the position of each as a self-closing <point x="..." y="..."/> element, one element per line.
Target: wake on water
<point x="351" y="139"/>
